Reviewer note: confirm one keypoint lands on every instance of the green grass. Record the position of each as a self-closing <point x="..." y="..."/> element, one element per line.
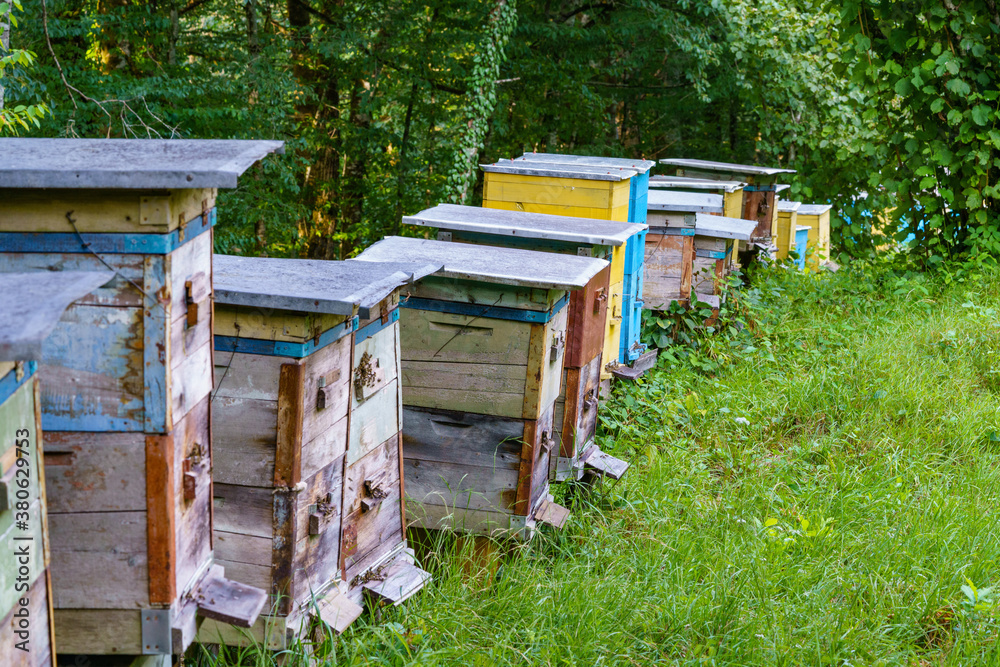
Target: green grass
<point x="821" y="499"/>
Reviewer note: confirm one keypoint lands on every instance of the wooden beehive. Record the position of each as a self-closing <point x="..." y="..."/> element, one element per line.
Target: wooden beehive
<point x="630" y="347"/>
<point x="670" y="243"/>
<point x="730" y="191"/>
<point x="801" y="245"/>
<point x="30" y="306"/>
<point x="308" y="491"/>
<point x="125" y="382"/>
<point x="574" y="191"/>
<point x="759" y="193"/>
<point x="817" y="218"/>
<point x="483" y="342"/>
<point x="788" y="215"/>
<point x="575" y="417"/>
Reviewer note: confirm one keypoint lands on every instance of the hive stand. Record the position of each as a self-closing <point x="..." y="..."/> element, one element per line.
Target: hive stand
<point x="670" y="244"/>
<point x="759" y="193"/>
<point x="483" y="342"/>
<point x="714" y="242"/>
<point x="575" y="417"/>
<point x="817" y="218"/>
<point x="30" y="307"/>
<point x="788" y="216"/>
<point x="308" y="493"/>
<point x="630" y="348"/>
<point x="125" y="382"/>
<point x="575" y="191"/>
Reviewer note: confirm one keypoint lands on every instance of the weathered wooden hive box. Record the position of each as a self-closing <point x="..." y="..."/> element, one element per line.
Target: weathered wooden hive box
<point x="714" y="240"/>
<point x="630" y="348"/>
<point x="578" y="191"/>
<point x="788" y="216"/>
<point x="30" y="306"/>
<point x="670" y="243"/>
<point x="730" y="191"/>
<point x="758" y="194"/>
<point x="125" y="382"/>
<point x="575" y="417"/>
<point x="483" y="342"/>
<point x="308" y="487"/>
<point x="817" y="218"/>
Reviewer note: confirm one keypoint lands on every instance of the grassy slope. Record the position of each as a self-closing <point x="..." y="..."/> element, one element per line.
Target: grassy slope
<point x="837" y="526"/>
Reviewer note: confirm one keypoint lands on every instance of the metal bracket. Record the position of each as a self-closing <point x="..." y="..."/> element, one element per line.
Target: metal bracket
<point x="558" y="344"/>
<point x="444" y="236"/>
<point x="585" y="251"/>
<point x="156" y="635"/>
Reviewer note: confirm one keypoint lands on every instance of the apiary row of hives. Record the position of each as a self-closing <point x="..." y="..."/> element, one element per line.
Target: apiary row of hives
<point x="231" y="450"/>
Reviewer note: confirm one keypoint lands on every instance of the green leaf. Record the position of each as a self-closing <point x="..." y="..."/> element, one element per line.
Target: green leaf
<point x="958" y="86"/>
<point x="981" y="114"/>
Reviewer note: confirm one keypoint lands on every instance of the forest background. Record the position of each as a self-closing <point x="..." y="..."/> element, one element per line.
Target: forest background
<point x="886" y="108"/>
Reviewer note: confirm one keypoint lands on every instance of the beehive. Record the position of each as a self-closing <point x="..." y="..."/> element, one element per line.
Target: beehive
<point x="788" y="215"/>
<point x="714" y="241"/>
<point x="801" y="245"/>
<point x="125" y="382"/>
<point x="630" y="347"/>
<point x="730" y="191"/>
<point x="574" y="191"/>
<point x="670" y="243"/>
<point x="483" y="342"/>
<point x="575" y="420"/>
<point x="31" y="305"/>
<point x="308" y="493"/>
<point x="817" y="218"/>
<point x="758" y="194"/>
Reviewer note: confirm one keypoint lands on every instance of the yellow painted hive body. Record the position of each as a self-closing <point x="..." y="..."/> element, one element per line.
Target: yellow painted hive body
<point x="819" y="238"/>
<point x="581" y="198"/>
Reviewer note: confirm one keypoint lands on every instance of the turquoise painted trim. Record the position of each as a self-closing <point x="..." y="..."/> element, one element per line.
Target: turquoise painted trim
<point x="373" y="328"/>
<point x="761" y="188"/>
<point x="108" y="244"/>
<point x="10" y="384"/>
<point x="281" y="348"/>
<point x="711" y="254"/>
<point x="672" y="231"/>
<point x="156" y="399"/>
<point x="485" y="311"/>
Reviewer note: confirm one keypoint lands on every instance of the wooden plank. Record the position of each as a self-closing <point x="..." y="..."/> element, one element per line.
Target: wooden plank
<point x="545" y="362"/>
<point x="374" y="422"/>
<point x="98" y="631"/>
<point x="160" y="519"/>
<point x="243" y="510"/>
<point x="268" y="324"/>
<point x="553" y="191"/>
<point x="338" y="611"/>
<point x="484" y="294"/>
<point x="316" y="558"/>
<point x="185" y="339"/>
<point x="244" y="549"/>
<point x="400" y="581"/>
<point x="92" y="374"/>
<point x="431" y="336"/>
<point x="244" y="437"/>
<point x="228" y="601"/>
<point x="119" y="291"/>
<point x="759" y="206"/>
<point x="618" y="213"/>
<point x="291" y="408"/>
<point x="156" y="376"/>
<point x="732" y="203"/>
<point x="193" y="514"/>
<point x="381" y="351"/>
<point x="95" y="472"/>
<point x="553" y="514"/>
<point x="613" y="333"/>
<point x="283" y="550"/>
<point x="450" y="517"/>
<point x="469" y="387"/>
<point x="190" y="262"/>
<point x="669" y="261"/>
<point x="328" y="445"/>
<point x="250" y="574"/>
<point x="605" y="465"/>
<point x="247" y="376"/>
<point x="33" y="648"/>
<point x="533" y="476"/>
<point x="447" y="436"/>
<point x="99" y="560"/>
<point x="586" y="320"/>
<point x="143" y="211"/>
<point x="371" y="506"/>
<point x="330" y="365"/>
<point x="460" y="485"/>
<point x="11" y="541"/>
<point x="191" y="381"/>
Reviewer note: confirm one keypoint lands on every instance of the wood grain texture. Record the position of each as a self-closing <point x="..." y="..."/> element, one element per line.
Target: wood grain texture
<point x="96" y="211"/>
<point x="619" y="213"/>
<point x="161" y="521"/>
<point x="533" y="476"/>
<point x="193" y="516"/>
<point x="10" y="571"/>
<point x="244" y="437"/>
<point x="291" y="412"/>
<point x="40" y="651"/>
<point x="436" y="337"/>
<point x="575" y="415"/>
<point x="331" y="364"/>
<point x="98" y="631"/>
<point x="484" y="294"/>
<point x="378" y="530"/>
<point x="547" y="348"/>
<point x="759" y="206"/>
<point x="570" y="192"/>
<point x="587" y="320"/>
<point x="316" y="559"/>
<point x="270" y="324"/>
<point x="613" y="331"/>
<point x="669" y="262"/>
<point x="119" y="291"/>
<point x="95" y="472"/>
<point x="498" y="389"/>
<point x="156" y="367"/>
<point x="374" y="421"/>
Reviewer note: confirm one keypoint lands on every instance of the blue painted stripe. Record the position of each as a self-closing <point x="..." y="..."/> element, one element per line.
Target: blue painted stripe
<point x="672" y="231"/>
<point x="109" y="244"/>
<point x="486" y="311"/>
<point x="9" y="383"/>
<point x="711" y="254"/>
<point x="372" y="328"/>
<point x="281" y="348"/>
<point x="760" y="188"/>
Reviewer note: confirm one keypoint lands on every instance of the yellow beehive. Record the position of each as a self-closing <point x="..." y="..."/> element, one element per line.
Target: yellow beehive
<point x="576" y="191"/>
<point x="787" y="220"/>
<point x="817" y="218"/>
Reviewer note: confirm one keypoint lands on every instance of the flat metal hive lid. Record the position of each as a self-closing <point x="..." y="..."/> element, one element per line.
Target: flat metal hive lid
<point x="310" y="285"/>
<point x="687" y="183"/>
<point x="723" y="228"/>
<point x="128" y="163"/>
<point x="707" y="165"/>
<point x="685" y="202"/>
<point x="501" y="266"/>
<point x="553" y="170"/>
<point x="781" y="187"/>
<point x="788" y="206"/>
<point x="802" y="228"/>
<point x="32" y="303"/>
<point x="526" y="225"/>
<point x="814" y="209"/>
<point x="641" y="166"/>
